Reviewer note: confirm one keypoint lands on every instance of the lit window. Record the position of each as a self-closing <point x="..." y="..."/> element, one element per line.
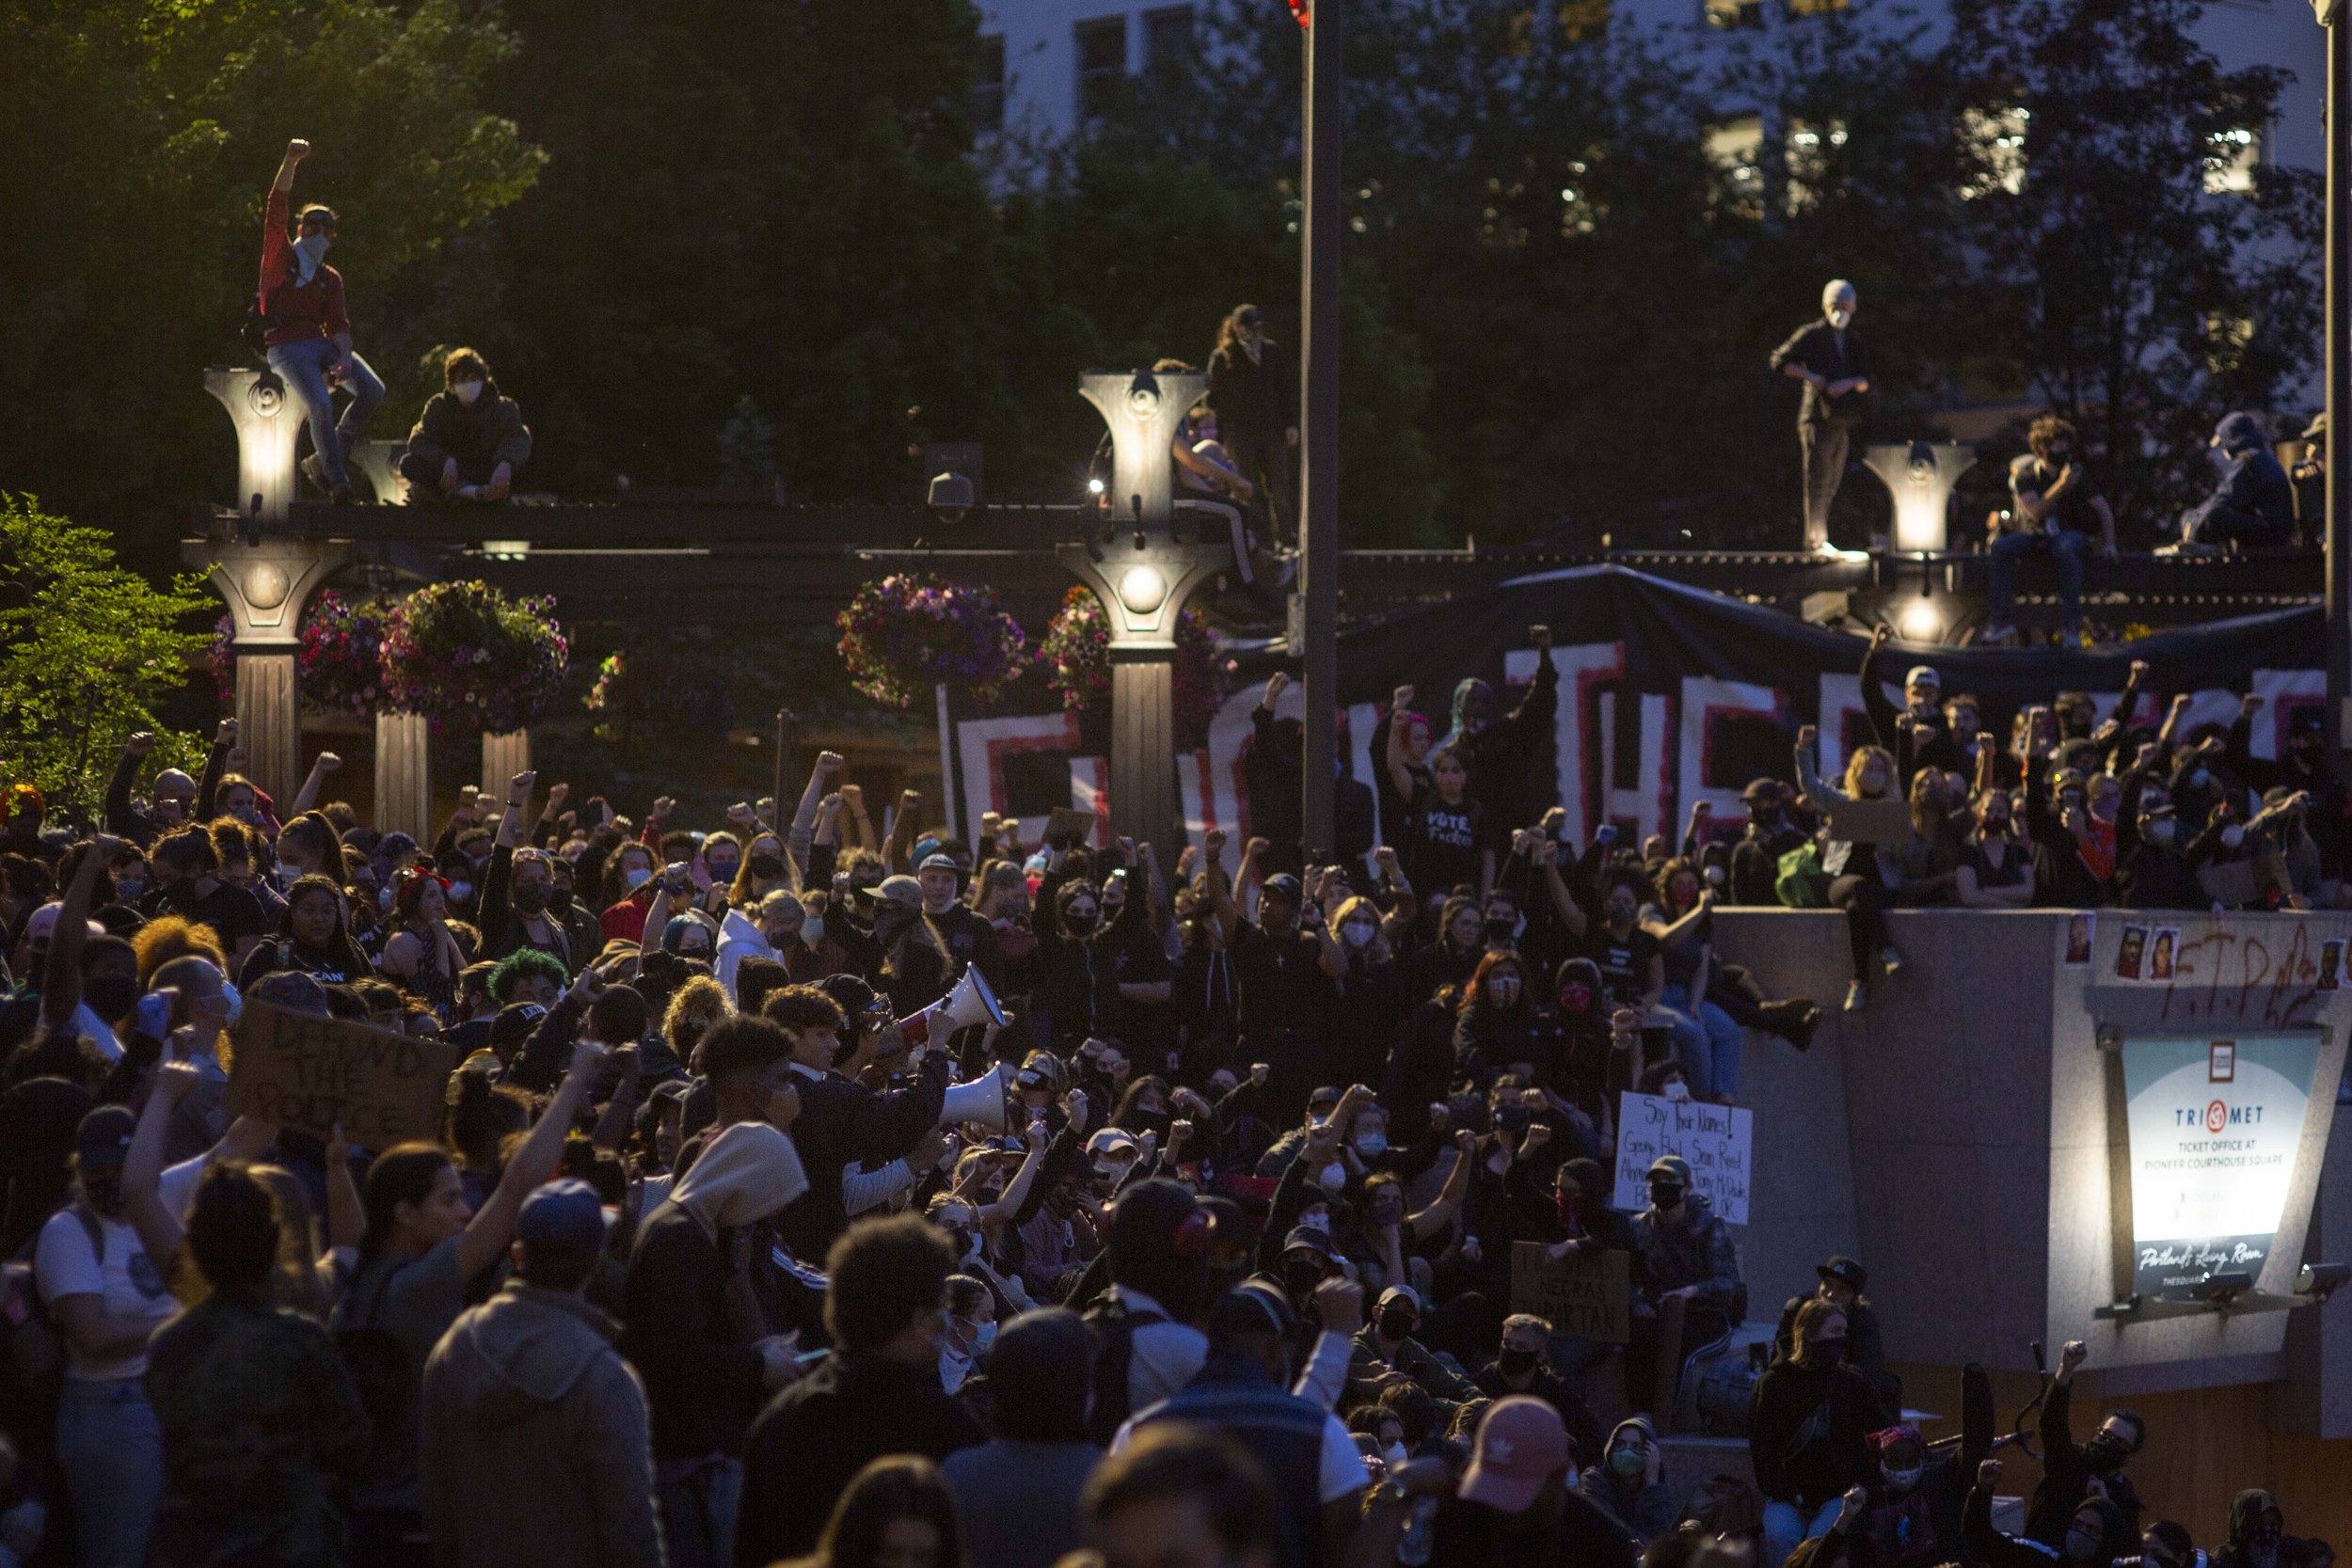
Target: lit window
<point x="2231" y="159"/>
<point x="1998" y="138"/>
<point x="1737" y="147"/>
<point x="1102" y="63"/>
<point x="1167" y="42"/>
<point x="1816" y="7"/>
<point x="988" y="84"/>
<point x="1809" y="150"/>
<point x="1727" y="14"/>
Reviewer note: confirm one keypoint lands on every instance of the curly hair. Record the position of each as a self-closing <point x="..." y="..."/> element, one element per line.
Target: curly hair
<point x="695" y="1006"/>
<point x="172" y="936"/>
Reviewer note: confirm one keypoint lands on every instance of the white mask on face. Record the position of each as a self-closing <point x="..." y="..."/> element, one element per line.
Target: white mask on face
<point x="636" y="877"/>
<point x="1840" y="316"/>
<point x="1333" y="1178"/>
<point x="1676" y="1090"/>
<point x="1358" y="933"/>
<point x="467" y="391"/>
<point x="813" y="930"/>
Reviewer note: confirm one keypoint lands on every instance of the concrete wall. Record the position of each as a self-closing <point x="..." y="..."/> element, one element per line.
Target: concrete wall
<point x="1953" y="1134"/>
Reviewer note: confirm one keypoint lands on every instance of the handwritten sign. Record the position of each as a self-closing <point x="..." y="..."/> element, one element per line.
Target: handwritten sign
<point x="1588" y="1294"/>
<point x="1715" y="1139"/>
<point x="310" y="1074"/>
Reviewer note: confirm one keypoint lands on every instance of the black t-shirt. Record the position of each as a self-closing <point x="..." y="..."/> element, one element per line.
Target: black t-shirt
<point x="1442" y="842"/>
<point x="1623" y="963"/>
<point x="2071" y="512"/>
<point x="232" y="912"/>
<point x="2015" y="858"/>
<point x="1282" y="984"/>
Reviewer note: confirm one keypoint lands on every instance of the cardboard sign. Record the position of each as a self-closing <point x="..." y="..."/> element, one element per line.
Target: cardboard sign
<point x="1715" y="1139"/>
<point x="1587" y="1294"/>
<point x="310" y="1074"/>
<point x="1873" y="822"/>
<point x="1069" y="827"/>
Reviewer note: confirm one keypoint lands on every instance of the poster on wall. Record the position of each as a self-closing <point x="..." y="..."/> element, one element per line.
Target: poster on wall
<point x="2215" y="1125"/>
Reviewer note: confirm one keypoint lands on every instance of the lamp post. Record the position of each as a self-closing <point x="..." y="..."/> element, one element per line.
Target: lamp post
<point x="2339" y="637"/>
<point x="1143" y="575"/>
<point x="1319" y="460"/>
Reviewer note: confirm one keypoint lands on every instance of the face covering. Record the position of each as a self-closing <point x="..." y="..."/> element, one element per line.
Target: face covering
<point x="1627" y="1463"/>
<point x="1302" y="1279"/>
<point x="1901" y="1479"/>
<point x="459" y="891"/>
<point x="1515" y="1363"/>
<point x="1394" y="1455"/>
<point x="1665" y="1197"/>
<point x="309" y="251"/>
<point x="1499" y="929"/>
<point x="985" y="1337"/>
<point x="111" y="997"/>
<point x="2200" y="778"/>
<point x="1358" y="935"/>
<point x="1080" y="920"/>
<point x="2232" y="836"/>
<point x="129" y="890"/>
<point x="1331" y="1179"/>
<point x="1373" y="1145"/>
<point x="467" y="391"/>
<point x="1568" y="1209"/>
<point x="1839" y="317"/>
<point x="636" y="877"/>
<point x="236" y="1003"/>
<point x="1675" y="1090"/>
<point x="530" y="898"/>
<point x="560" y="900"/>
<point x="1576" y="999"/>
<point x="813" y="930"/>
<point x="2162" y="832"/>
<point x="1397" y="1322"/>
<point x="384" y="897"/>
<point x="767" y="867"/>
<point x="2080" y="1544"/>
<point x="1824" y="1353"/>
<point x="103" y="1193"/>
<point x="2106" y="1454"/>
<point x="1503" y="992"/>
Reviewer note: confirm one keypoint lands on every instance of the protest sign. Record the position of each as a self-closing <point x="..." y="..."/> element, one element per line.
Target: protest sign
<point x="1586" y="1294"/>
<point x="310" y="1074"/>
<point x="1715" y="1139"/>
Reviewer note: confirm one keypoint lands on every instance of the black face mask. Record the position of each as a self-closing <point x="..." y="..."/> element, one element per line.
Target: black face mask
<point x="1080" y="920"/>
<point x="560" y="900"/>
<point x="530" y="898"/>
<point x="103" y="1194"/>
<point x="767" y="867"/>
<point x="1826" y="1353"/>
<point x="1666" y="1198"/>
<point x="1515" y="1363"/>
<point x="111" y="997"/>
<point x="2106" y="1454"/>
<point x="1302" y="1279"/>
<point x="1397" y="1322"/>
<point x="1500" y="931"/>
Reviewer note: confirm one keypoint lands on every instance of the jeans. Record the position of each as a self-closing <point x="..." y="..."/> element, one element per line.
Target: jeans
<point x="1708" y="1043"/>
<point x="111" y="1449"/>
<point x="699" y="1499"/>
<point x="2212" y="522"/>
<point x="1786" y="1525"/>
<point x="305" y="365"/>
<point x="2066" y="550"/>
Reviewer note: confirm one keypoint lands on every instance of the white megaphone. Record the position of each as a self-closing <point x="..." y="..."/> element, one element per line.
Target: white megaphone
<point x="983" y="1101"/>
<point x="971" y="1001"/>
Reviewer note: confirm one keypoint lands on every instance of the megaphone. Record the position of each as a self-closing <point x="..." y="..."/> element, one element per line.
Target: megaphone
<point x="983" y="1101"/>
<point x="971" y="1001"/>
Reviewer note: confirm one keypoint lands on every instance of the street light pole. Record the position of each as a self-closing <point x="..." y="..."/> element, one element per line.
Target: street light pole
<point x="2339" y="637"/>
<point x="1319" y="498"/>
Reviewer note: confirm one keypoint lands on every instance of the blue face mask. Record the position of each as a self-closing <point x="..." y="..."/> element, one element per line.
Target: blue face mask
<point x="309" y="251"/>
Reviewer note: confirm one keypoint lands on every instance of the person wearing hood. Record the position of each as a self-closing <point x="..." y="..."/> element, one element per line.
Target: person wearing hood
<point x="1685" y="1250"/>
<point x="2069" y="1468"/>
<point x="307" y="329"/>
<point x="1498" y="748"/>
<point x="695" y="1334"/>
<point x="1629" y="1482"/>
<point x="1830" y="358"/>
<point x="2092" y="1535"/>
<point x="879" y="1393"/>
<point x="1809" y="1432"/>
<point x="536" y="1437"/>
<point x="767" y="930"/>
<point x="469" y="440"/>
<point x="2253" y="505"/>
<point x="2166" y="1544"/>
<point x="2258" y="1538"/>
<point x="1019" y="1494"/>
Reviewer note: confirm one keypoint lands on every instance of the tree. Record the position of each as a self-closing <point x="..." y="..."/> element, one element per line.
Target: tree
<point x="88" y="650"/>
<point x="2136" y="274"/>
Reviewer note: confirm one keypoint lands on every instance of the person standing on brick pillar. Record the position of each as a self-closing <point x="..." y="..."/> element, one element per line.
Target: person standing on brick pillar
<point x="308" y="331"/>
<point x="1253" y="386"/>
<point x="1832" y="360"/>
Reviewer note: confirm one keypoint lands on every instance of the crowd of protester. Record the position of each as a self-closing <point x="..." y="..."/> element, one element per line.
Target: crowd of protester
<point x="760" y="1229"/>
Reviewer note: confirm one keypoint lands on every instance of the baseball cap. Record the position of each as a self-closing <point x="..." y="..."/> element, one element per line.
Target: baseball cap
<point x="1405" y="1293"/>
<point x="1283" y="883"/>
<point x="513" y="1024"/>
<point x="1760" y="789"/>
<point x="1673" y="1165"/>
<point x="925" y="848"/>
<point x="901" y="889"/>
<point x="936" y="862"/>
<point x="1924" y="675"/>
<point x="1308" y="1238"/>
<point x="1521" y="1445"/>
<point x="1110" y="1142"/>
<point x="1844" y="1271"/>
<point x="44" y="924"/>
<point x="566" y="1214"/>
<point x="102" y="1141"/>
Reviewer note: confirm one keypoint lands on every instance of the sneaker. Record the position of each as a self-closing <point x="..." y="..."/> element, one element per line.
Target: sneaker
<point x="1890" y="960"/>
<point x="2189" y="549"/>
<point x="342" y="495"/>
<point x="1856" y="995"/>
<point x="314" y="469"/>
<point x="1799" y="1031"/>
<point x="1997" y="631"/>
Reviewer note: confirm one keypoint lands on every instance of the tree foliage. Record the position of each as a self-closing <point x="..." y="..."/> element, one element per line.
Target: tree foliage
<point x="88" y="651"/>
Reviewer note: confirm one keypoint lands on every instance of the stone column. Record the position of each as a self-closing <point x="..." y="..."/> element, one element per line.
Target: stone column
<point x="502" y="758"/>
<point x="265" y="587"/>
<point x="403" y="779"/>
<point x="268" y="418"/>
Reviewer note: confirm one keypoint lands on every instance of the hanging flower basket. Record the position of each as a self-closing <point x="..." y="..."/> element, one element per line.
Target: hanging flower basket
<point x="470" y="658"/>
<point x="1076" y="654"/>
<point x="341" y="661"/>
<point x="909" y="633"/>
<point x="221" y="659"/>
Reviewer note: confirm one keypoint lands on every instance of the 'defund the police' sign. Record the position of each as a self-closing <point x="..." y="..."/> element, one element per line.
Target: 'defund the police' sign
<point x="2215" y="1127"/>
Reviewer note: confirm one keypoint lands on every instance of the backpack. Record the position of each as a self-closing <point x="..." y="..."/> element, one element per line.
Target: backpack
<point x="1802" y="883"/>
<point x="32" y="1376"/>
<point x="377" y="1361"/>
<point x="1114" y="1328"/>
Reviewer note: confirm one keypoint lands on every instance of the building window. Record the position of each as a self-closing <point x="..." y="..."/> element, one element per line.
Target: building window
<point x="1817" y="8"/>
<point x="1168" y="43"/>
<point x="1582" y="21"/>
<point x="1808" y="153"/>
<point x="1727" y="14"/>
<point x="1102" y="63"/>
<point x="2231" y="159"/>
<point x="1737" y="147"/>
<point x="988" y="86"/>
<point x="1998" y="139"/>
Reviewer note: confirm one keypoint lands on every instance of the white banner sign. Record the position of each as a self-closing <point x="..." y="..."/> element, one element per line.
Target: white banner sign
<point x="2215" y="1126"/>
<point x="1715" y="1139"/>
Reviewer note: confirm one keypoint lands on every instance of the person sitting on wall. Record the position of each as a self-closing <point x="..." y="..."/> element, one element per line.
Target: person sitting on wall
<point x="470" y="439"/>
<point x="2254" y="503"/>
<point x="308" y="330"/>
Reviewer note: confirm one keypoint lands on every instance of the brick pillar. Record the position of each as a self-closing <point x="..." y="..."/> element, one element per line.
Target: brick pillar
<point x="403" y="779"/>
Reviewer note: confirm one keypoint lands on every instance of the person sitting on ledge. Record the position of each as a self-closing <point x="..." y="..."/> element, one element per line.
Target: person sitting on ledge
<point x="2254" y="503"/>
<point x="308" y="330"/>
<point x="470" y="439"/>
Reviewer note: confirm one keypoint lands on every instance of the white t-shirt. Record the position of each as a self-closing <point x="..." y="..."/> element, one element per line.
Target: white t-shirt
<point x="130" y="1286"/>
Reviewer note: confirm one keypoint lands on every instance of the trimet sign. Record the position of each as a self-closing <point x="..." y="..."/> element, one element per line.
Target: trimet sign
<point x="2215" y="1125"/>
